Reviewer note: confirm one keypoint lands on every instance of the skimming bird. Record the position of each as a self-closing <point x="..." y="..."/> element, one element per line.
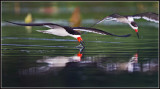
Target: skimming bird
<point x="129" y="19"/>
<point x="60" y="30"/>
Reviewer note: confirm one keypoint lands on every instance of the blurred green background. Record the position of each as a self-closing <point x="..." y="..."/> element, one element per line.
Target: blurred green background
<point x="96" y="10"/>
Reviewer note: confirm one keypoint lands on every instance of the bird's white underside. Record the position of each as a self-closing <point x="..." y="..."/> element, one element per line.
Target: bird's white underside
<point x="57" y="31"/>
<point x="89" y="31"/>
<point x="107" y="19"/>
<point x="130" y="19"/>
<point x="119" y="20"/>
<point x="75" y="36"/>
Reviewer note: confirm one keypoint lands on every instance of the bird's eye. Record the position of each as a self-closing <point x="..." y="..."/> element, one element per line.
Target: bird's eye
<point x="134" y="24"/>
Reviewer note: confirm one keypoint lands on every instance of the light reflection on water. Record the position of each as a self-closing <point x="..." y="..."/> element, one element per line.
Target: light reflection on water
<point x="101" y="62"/>
<point x="58" y="68"/>
<point x="54" y="39"/>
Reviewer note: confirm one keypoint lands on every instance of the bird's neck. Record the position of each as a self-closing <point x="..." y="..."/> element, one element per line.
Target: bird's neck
<point x="75" y="36"/>
<point x="130" y="19"/>
<point x="132" y="26"/>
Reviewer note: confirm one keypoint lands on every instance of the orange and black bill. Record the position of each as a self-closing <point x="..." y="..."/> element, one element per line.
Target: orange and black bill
<point x="80" y="41"/>
<point x="136" y="30"/>
<point x="137" y="35"/>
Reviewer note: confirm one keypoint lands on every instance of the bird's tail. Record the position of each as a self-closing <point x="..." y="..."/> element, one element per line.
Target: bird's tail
<point x="122" y="35"/>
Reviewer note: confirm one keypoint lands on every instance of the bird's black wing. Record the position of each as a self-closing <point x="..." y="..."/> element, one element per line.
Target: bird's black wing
<point x="49" y="25"/>
<point x="147" y="16"/>
<point x="115" y="15"/>
<point x="94" y="30"/>
<point x="112" y="17"/>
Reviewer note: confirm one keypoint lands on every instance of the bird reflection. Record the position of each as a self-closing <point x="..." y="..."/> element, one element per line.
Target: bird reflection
<point x="135" y="66"/>
<point x="53" y="63"/>
<point x="133" y="63"/>
<point x="60" y="61"/>
<point x="102" y="62"/>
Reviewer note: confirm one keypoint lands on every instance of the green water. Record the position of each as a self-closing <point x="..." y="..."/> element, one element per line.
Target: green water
<point x="34" y="59"/>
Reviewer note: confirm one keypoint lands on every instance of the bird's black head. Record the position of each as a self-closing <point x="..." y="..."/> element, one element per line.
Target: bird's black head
<point x="135" y="27"/>
<point x="71" y="31"/>
<point x="134" y="24"/>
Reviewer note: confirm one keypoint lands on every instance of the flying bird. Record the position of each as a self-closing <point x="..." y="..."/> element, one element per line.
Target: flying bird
<point x="60" y="30"/>
<point x="129" y="19"/>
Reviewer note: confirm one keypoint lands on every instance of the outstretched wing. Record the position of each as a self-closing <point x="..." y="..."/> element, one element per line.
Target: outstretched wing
<point x="52" y="26"/>
<point x="112" y="17"/>
<point x="147" y="16"/>
<point x="94" y="30"/>
<point x="49" y="25"/>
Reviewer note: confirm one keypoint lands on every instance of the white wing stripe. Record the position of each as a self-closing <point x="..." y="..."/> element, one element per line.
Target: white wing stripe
<point x="47" y="26"/>
<point x="137" y="17"/>
<point x="154" y="20"/>
<point x="146" y="18"/>
<point x="110" y="18"/>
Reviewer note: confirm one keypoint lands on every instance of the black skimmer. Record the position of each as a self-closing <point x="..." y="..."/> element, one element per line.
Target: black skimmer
<point x="60" y="30"/>
<point x="129" y="19"/>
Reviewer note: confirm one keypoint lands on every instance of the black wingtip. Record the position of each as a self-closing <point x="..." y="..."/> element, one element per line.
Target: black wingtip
<point x="23" y="24"/>
<point x="93" y="25"/>
<point x="123" y="35"/>
<point x="9" y="22"/>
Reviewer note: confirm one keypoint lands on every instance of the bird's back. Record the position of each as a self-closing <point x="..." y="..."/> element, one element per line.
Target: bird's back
<point x="119" y="18"/>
